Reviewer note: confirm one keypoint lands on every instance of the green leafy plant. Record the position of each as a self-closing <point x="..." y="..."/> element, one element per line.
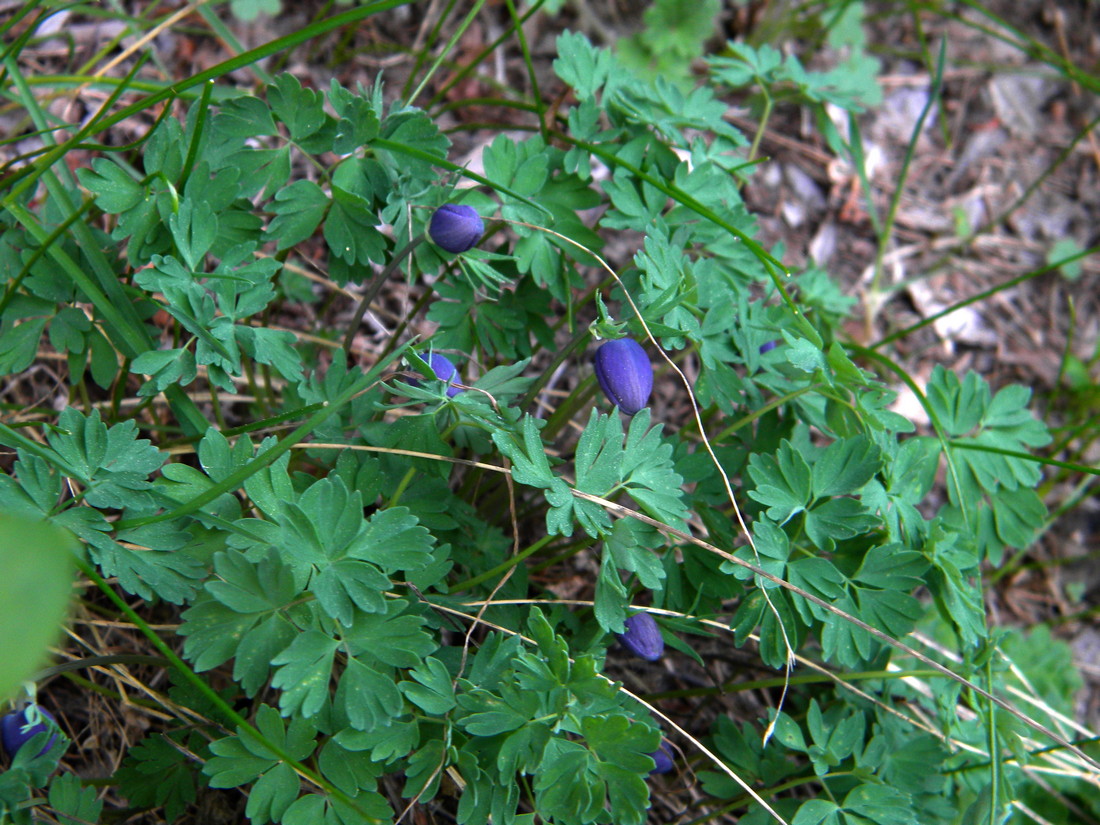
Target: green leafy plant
<point x="354" y="553"/>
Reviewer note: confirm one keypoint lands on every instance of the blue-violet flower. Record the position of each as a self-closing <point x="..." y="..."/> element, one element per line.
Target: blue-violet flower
<point x="445" y="371"/>
<point x="663" y="757"/>
<point x="16" y="730"/>
<point x="625" y="374"/>
<point x="642" y="637"/>
<point x="456" y="227"/>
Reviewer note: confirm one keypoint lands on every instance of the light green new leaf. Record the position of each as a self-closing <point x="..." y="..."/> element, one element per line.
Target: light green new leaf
<point x="581" y="65"/>
<point x="34" y="595"/>
<point x="114" y="188"/>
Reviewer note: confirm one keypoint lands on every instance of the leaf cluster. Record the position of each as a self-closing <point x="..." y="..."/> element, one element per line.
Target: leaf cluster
<point x="360" y="588"/>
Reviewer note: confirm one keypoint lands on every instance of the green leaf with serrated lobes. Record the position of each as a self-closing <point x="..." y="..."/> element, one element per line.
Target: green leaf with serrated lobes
<point x="414" y="130"/>
<point x="302" y="110"/>
<point x="530" y="464"/>
<point x="566" y="787"/>
<point x="68" y="329"/>
<point x="71" y="802"/>
<point x="241" y="758"/>
<point x="271" y="346"/>
<point x="242" y="286"/>
<point x="818" y="577"/>
<point x="395" y="638"/>
<point x="837" y="519"/>
<point x="581" y="65"/>
<point x="303" y="672"/>
<point x="347" y="584"/>
<point x="351" y="771"/>
<point x="244" y="117"/>
<point x="599" y="453"/>
<point x="358" y="122"/>
<point x="835" y="735"/>
<point x="350" y="233"/>
<point x="168" y="574"/>
<point x="881" y="805"/>
<point x="648" y="473"/>
<point x="36" y="491"/>
<point x="19" y="345"/>
<point x="114" y="188"/>
<point x="611" y="599"/>
<point x="783" y="482"/>
<point x="156" y="773"/>
<point x="243" y="618"/>
<point x="625" y="544"/>
<point x="967" y="410"/>
<point x="194" y="228"/>
<point x="366" y="696"/>
<point x="272" y="793"/>
<point x="432" y="689"/>
<point x="845" y="467"/>
<point x="488" y="714"/>
<point x="298" y="210"/>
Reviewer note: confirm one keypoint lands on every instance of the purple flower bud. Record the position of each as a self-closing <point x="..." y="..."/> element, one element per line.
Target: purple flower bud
<point x="625" y="374"/>
<point x="643" y="637"/>
<point x="768" y="347"/>
<point x="16" y="731"/>
<point x="664" y="758"/>
<point x="456" y="227"/>
<point x="444" y="370"/>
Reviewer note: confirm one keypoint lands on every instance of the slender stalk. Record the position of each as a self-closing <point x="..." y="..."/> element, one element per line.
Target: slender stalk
<point x="375" y="287"/>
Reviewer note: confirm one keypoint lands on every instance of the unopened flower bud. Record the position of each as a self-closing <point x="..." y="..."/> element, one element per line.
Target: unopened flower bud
<point x="625" y="374"/>
<point x="642" y="637"/>
<point x="456" y="227"/>
<point x="444" y="370"/>
<point x="16" y="730"/>
<point x="663" y="757"/>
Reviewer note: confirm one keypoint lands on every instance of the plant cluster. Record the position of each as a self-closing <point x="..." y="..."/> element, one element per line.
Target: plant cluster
<point x="352" y="538"/>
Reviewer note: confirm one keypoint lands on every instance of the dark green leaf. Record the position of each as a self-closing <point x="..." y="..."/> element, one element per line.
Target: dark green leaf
<point x="783" y="482"/>
<point x="298" y="210"/>
<point x="303" y="672"/>
<point x="845" y="466"/>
